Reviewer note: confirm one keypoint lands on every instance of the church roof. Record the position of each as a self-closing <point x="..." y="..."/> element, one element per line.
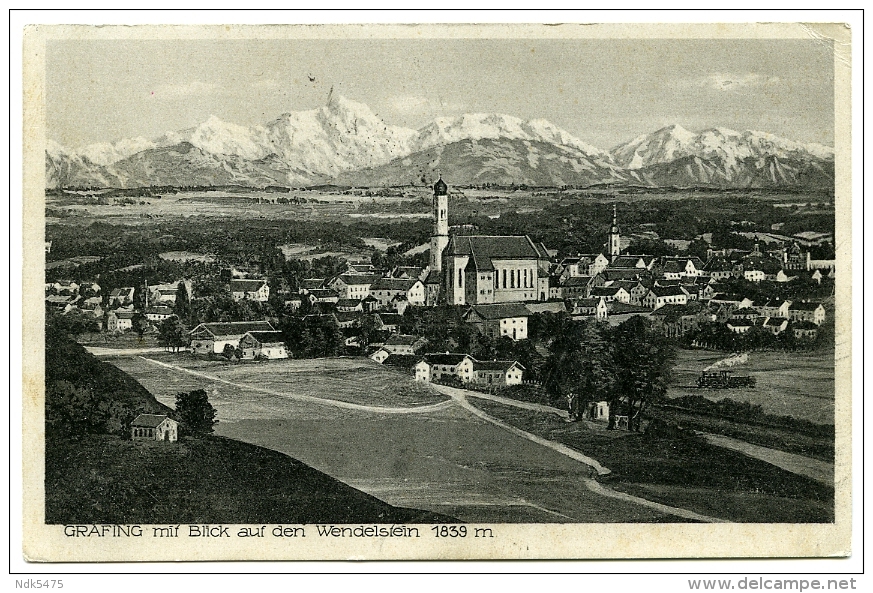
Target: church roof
<point x="486" y="247"/>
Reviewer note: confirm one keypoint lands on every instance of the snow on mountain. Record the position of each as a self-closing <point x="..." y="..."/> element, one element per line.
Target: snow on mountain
<point x="102" y="153"/>
<point x="346" y="140"/>
<point x="662" y="146"/>
<point x="728" y="147"/>
<point x="480" y="126"/>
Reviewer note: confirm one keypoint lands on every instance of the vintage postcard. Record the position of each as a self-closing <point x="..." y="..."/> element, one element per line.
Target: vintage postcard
<point x="437" y="292"/>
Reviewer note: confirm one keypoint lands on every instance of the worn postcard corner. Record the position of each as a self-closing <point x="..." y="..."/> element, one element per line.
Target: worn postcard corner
<point x="437" y="292"/>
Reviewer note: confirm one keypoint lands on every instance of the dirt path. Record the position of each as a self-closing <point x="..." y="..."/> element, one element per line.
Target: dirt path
<point x="308" y="398"/>
<point x="460" y="396"/>
<point x="99" y="351"/>
<point x="820" y="471"/>
<point x="518" y="404"/>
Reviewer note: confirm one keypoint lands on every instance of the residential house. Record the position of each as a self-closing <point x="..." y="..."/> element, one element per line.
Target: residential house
<point x="677" y="320"/>
<point x="775" y="308"/>
<point x="121" y="296"/>
<point x="498" y="320"/>
<point x="388" y="322"/>
<point x="618" y="312"/>
<point x="739" y="326"/>
<point x="497" y="373"/>
<point x="158" y="314"/>
<point x="673" y="268"/>
<point x="350" y="305"/>
<point x="637" y="262"/>
<point x="720" y="268"/>
<point x="322" y="295"/>
<point x="308" y="284"/>
<point x="575" y="287"/>
<point x="263" y="344"/>
<point x="554" y="307"/>
<point x="775" y="325"/>
<point x="449" y="365"/>
<point x="353" y="286"/>
<point x="745" y="313"/>
<point x="599" y="262"/>
<point x="380" y="355"/>
<point x="593" y="307"/>
<point x="658" y="296"/>
<point x="119" y="321"/>
<point x="63" y="303"/>
<point x="211" y="338"/>
<point x="251" y="290"/>
<point x="385" y="290"/>
<point x="404" y="344"/>
<point x="807" y="311"/>
<point x="154" y="427"/>
<point x="804" y="330"/>
<point x="612" y="292"/>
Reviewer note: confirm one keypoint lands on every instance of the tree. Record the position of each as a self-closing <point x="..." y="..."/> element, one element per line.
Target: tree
<point x="194" y="413"/>
<point x="140" y="323"/>
<point x="183" y="302"/>
<point x="579" y="368"/>
<point x="172" y="333"/>
<point x="643" y="360"/>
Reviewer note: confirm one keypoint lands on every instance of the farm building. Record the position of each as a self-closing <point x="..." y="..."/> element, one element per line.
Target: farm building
<point x="802" y="311"/>
<point x="252" y="290"/>
<point x="403" y="344"/>
<point x="211" y="338"/>
<point x="263" y="344"/>
<point x="452" y="365"/>
<point x="119" y="321"/>
<point x="154" y="427"/>
<point x="505" y="319"/>
<point x="498" y="373"/>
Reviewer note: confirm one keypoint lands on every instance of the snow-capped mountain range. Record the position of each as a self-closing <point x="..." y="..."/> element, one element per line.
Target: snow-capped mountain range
<point x="345" y="142"/>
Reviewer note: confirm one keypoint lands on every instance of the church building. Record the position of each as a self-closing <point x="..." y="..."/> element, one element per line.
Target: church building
<point x="482" y="269"/>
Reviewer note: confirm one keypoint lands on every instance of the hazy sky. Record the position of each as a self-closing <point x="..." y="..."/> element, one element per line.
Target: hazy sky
<point x="602" y="91"/>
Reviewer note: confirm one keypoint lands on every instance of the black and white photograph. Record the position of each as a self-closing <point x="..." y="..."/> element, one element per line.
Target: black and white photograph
<point x="411" y="292"/>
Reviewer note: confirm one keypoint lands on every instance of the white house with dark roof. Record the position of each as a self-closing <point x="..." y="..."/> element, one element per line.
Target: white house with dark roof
<point x="807" y="311"/>
<point x="352" y="286"/>
<point x="497" y="373"/>
<point x="658" y="296"/>
<point x="386" y="290"/>
<point x="263" y="344"/>
<point x="403" y="344"/>
<point x="211" y="338"/>
<point x="498" y="320"/>
<point x="154" y="427"/>
<point x="448" y="364"/>
<point x="119" y="321"/>
<point x="251" y="290"/>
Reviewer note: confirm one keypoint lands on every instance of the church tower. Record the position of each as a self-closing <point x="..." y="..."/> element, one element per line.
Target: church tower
<point x="440" y="237"/>
<point x="614" y="237"/>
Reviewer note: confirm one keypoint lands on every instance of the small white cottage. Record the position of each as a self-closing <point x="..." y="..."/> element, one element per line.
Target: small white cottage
<point x="154" y="427"/>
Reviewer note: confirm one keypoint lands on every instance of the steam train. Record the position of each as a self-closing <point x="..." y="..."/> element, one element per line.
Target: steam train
<point x="723" y="380"/>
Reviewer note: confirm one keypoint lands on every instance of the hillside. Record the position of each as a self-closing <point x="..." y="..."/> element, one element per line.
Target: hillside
<point x="95" y="474"/>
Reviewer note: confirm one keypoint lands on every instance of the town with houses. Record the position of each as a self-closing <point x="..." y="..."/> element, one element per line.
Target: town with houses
<point x="496" y="283"/>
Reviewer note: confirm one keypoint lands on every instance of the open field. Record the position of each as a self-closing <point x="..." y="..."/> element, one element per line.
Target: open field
<point x="353" y="380"/>
<point x="441" y="459"/>
<point x="798" y="384"/>
<point x="444" y="459"/>
<point x="685" y="472"/>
